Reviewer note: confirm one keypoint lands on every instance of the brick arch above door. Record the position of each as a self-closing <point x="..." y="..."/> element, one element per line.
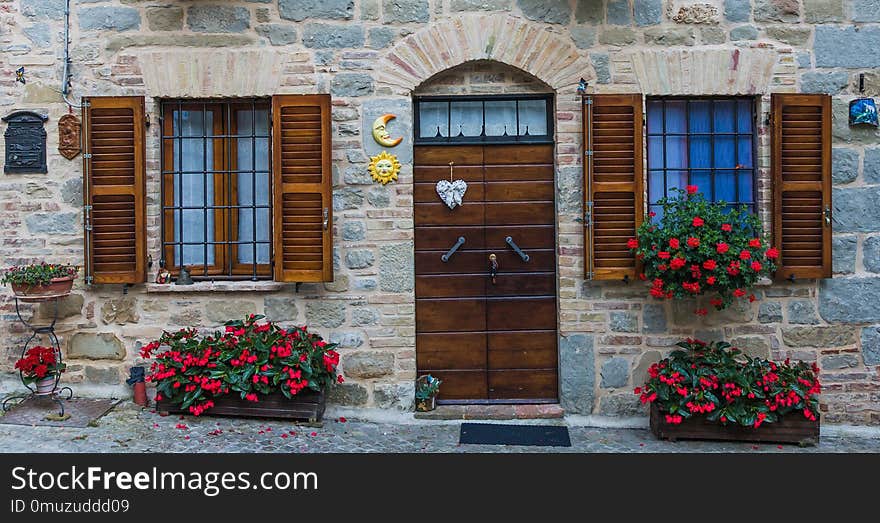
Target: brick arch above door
<point x="531" y="47"/>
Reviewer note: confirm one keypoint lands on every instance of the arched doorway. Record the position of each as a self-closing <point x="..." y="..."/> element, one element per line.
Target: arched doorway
<point x="486" y="304"/>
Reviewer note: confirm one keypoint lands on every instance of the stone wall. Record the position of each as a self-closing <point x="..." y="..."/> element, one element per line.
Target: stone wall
<point x="371" y="55"/>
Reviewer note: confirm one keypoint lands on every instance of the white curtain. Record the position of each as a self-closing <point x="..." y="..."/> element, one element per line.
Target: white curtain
<point x="253" y="166"/>
<point x="193" y="186"/>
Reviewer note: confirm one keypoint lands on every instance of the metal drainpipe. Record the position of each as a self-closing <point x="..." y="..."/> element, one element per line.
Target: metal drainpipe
<point x="65" y="77"/>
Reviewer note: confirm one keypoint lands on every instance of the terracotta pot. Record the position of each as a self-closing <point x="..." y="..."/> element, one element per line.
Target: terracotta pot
<point x="45" y="386"/>
<point x="56" y="288"/>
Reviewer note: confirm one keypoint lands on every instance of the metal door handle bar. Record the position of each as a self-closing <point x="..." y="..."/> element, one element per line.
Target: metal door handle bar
<point x="524" y="256"/>
<point x="450" y="252"/>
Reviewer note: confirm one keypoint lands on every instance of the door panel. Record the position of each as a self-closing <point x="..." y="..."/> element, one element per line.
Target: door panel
<point x="487" y="342"/>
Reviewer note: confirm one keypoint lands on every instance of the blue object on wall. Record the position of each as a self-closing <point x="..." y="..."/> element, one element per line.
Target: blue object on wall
<point x="863" y="111"/>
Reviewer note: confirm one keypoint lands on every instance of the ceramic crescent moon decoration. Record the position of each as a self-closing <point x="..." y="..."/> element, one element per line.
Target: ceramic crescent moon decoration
<point x="380" y="131"/>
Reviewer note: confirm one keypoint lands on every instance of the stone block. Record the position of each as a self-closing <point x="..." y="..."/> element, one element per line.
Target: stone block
<point x="802" y="312"/>
<point x="622" y="405"/>
<point x="223" y="310"/>
<point x="846" y="46"/>
<point x="744" y="32"/>
<point x="277" y="34"/>
<point x="617" y="36"/>
<point x="602" y="66"/>
<point x="351" y="84"/>
<point x="62" y="223"/>
<point x="217" y="19"/>
<point x="589" y="12"/>
<point x="166" y="18"/>
<point x="791" y="35"/>
<point x="615" y="373"/>
<point x="353" y="231"/>
<point x="366" y="365"/>
<point x="618" y="12"/>
<point x="844" y="162"/>
<point x="712" y="35"/>
<point x="623" y="321"/>
<point x="850" y="300"/>
<point x="584" y="36"/>
<point x="403" y="11"/>
<point x="120" y="310"/>
<point x="381" y="37"/>
<point x="856" y="209"/>
<point x="299" y="10"/>
<point x="108" y="19"/>
<point x="839" y="362"/>
<point x="347" y="198"/>
<point x="653" y="318"/>
<point x="648" y="12"/>
<point x="770" y="312"/>
<point x="379" y="197"/>
<point x="871" y="168"/>
<point x="361" y="316"/>
<point x="359" y="259"/>
<point x="347" y="394"/>
<point x="828" y="83"/>
<point x="547" y="11"/>
<point x="280" y="308"/>
<point x="68" y="307"/>
<point x="103" y="376"/>
<point x="396" y="267"/>
<point x="39" y="34"/>
<point x="870" y="339"/>
<point x="576" y="373"/>
<point x="319" y="36"/>
<point x="738" y="10"/>
<point x="479" y="5"/>
<point x="843" y="254"/>
<point x="325" y="313"/>
<point x="347" y="339"/>
<point x="400" y="396"/>
<point x="43" y="9"/>
<point x="670" y="36"/>
<point x="754" y="346"/>
<point x="777" y="10"/>
<point x="95" y="346"/>
<point x="339" y="283"/>
<point x="871" y="254"/>
<point x="821" y="11"/>
<point x="819" y="336"/>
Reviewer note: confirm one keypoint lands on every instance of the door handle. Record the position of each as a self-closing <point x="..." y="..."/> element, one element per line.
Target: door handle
<point x="325" y="221"/>
<point x="493" y="267"/>
<point x="516" y="249"/>
<point x="451" y="251"/>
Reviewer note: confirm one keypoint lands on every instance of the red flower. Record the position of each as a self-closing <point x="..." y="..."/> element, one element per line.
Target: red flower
<point x="692" y="189"/>
<point x="632" y="243"/>
<point x="701" y="312"/>
<point x="709" y="265"/>
<point x="663" y="255"/>
<point x="698" y="222"/>
<point x="677" y="263"/>
<point x="673" y="243"/>
<point x="662" y="267"/>
<point x="755" y="243"/>
<point x="710" y="280"/>
<point x="716" y="302"/>
<point x="745" y="255"/>
<point x="772" y="253"/>
<point x="726" y="227"/>
<point x="693" y="242"/>
<point x="739" y="293"/>
<point x="339" y="379"/>
<point x="722" y="248"/>
<point x="642" y="276"/>
<point x="756" y="266"/>
<point x="751" y="298"/>
<point x="652" y="214"/>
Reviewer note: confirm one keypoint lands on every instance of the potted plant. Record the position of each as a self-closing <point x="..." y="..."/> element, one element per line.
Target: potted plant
<point x="714" y="391"/>
<point x="252" y="368"/>
<point x="700" y="247"/>
<point x="427" y="388"/>
<point x="40" y="366"/>
<point x="40" y="281"/>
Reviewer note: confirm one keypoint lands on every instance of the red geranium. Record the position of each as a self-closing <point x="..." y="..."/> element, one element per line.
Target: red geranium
<point x="709" y="265"/>
<point x="726" y="227"/>
<point x="674" y="243"/>
<point x="697" y="222"/>
<point x="692" y="189"/>
<point x="39" y="362"/>
<point x="693" y="242"/>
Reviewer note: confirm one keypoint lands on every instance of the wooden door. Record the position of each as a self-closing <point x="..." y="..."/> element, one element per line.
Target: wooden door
<point x="488" y="342"/>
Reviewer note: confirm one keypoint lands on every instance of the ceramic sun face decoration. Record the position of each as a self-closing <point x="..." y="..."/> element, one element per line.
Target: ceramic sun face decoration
<point x="384" y="167"/>
<point x="380" y="131"/>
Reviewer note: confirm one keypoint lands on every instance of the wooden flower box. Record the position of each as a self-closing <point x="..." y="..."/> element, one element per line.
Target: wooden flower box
<point x="308" y="405"/>
<point x="793" y="428"/>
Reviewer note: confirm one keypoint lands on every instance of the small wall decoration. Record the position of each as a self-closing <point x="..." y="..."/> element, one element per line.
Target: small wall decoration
<point x="384" y="167"/>
<point x="19" y="75"/>
<point x="25" y="143"/>
<point x="452" y="191"/>
<point x="863" y="110"/>
<point x="380" y="131"/>
<point x="69" y="133"/>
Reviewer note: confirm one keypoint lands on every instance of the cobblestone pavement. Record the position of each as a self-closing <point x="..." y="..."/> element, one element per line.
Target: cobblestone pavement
<point x="129" y="428"/>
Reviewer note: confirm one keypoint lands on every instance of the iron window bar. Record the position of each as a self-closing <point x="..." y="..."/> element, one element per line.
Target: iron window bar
<point x="712" y="169"/>
<point x="227" y="248"/>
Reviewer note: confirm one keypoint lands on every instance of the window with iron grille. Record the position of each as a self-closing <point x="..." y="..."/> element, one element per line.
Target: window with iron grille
<point x="708" y="142"/>
<point x="216" y="188"/>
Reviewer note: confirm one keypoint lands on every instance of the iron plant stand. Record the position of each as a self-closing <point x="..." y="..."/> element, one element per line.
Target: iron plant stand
<point x="57" y="394"/>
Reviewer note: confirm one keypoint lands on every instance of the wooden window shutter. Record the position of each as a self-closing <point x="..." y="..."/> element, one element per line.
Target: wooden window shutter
<point x="613" y="173"/>
<point x="801" y="163"/>
<point x="114" y="188"/>
<point x="302" y="196"/>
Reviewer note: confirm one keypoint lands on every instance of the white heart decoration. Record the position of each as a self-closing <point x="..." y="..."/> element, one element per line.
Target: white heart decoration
<point x="451" y="192"/>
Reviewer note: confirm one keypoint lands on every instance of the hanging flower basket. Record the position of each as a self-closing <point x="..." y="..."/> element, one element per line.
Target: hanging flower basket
<point x="698" y="247"/>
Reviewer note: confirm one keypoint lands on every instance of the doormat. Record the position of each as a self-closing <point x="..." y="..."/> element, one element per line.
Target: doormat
<point x="496" y="434"/>
<point x="34" y="410"/>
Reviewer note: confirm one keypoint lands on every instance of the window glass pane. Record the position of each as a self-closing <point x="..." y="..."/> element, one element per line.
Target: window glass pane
<point x="744" y="115"/>
<point x="744" y="153"/>
<point x="675" y="180"/>
<point x="675" y="117"/>
<point x="676" y="152"/>
<point x="744" y="179"/>
<point x="466" y="118"/>
<point x="501" y="118"/>
<point x="655" y="185"/>
<point x="193" y="187"/>
<point x="725" y="186"/>
<point x="253" y="162"/>
<point x="725" y="152"/>
<point x="655" y="152"/>
<point x="703" y="180"/>
<point x="655" y="117"/>
<point x="433" y="119"/>
<point x="724" y="116"/>
<point x="533" y="117"/>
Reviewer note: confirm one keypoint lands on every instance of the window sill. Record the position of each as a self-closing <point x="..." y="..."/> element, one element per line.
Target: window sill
<point x="216" y="286"/>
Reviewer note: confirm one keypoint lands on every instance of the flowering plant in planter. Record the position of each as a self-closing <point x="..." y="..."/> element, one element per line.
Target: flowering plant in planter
<point x="727" y="386"/>
<point x="37" y="274"/>
<point x="39" y="363"/>
<point x="702" y="247"/>
<point x="250" y="358"/>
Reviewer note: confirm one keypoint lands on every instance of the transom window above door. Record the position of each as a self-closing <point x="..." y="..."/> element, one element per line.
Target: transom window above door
<point x="484" y="119"/>
<point x="707" y="142"/>
<point x="216" y="193"/>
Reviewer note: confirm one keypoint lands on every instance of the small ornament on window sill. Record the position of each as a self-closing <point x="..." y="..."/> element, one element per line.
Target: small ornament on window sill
<point x="452" y="191"/>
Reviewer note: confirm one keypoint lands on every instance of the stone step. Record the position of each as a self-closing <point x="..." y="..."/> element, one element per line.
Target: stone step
<point x="493" y="412"/>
